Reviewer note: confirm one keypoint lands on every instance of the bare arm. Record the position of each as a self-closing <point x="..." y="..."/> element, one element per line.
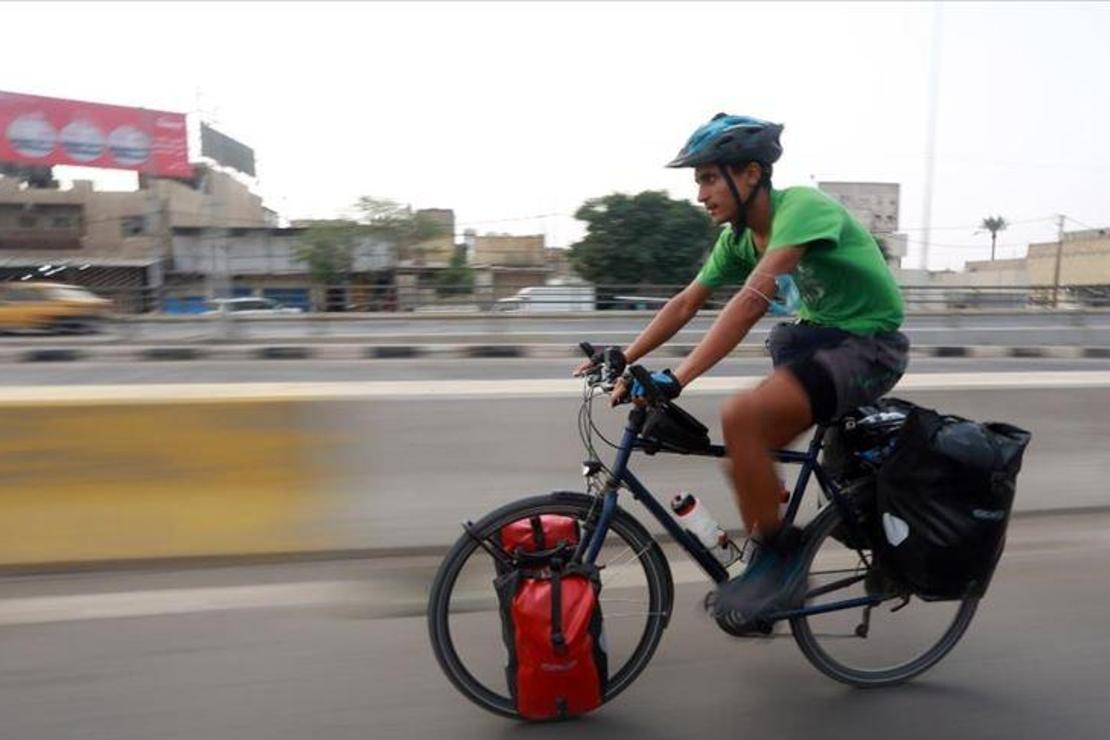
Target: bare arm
<point x="674" y="315"/>
<point x="740" y="315"/>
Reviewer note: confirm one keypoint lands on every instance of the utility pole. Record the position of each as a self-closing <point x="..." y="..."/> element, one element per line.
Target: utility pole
<point x="155" y="227"/>
<point x="1059" y="252"/>
<point x="931" y="136"/>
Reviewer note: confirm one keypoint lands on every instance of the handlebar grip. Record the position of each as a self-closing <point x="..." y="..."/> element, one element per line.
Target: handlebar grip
<point x="643" y="377"/>
<point x="587" y="348"/>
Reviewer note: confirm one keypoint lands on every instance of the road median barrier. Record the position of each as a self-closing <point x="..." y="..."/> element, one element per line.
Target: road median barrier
<point x="103" y="480"/>
<point x="469" y="351"/>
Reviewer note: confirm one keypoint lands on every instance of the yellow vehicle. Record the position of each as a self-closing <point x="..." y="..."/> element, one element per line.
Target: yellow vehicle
<point x="52" y="307"/>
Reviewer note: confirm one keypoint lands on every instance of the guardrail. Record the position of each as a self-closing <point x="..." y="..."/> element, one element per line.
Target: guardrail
<point x="363" y="299"/>
<point x="1081" y="327"/>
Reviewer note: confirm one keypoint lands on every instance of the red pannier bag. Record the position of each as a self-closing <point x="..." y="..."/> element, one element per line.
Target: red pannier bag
<point x="551" y="621"/>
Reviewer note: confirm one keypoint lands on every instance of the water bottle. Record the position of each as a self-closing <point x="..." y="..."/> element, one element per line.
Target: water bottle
<point x="693" y="515"/>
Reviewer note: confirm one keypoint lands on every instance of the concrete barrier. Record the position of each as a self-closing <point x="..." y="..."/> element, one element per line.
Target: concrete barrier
<point x="98" y="474"/>
<point x="103" y="480"/>
<point x="462" y="351"/>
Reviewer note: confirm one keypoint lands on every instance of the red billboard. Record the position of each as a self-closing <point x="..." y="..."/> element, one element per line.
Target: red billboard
<point x="54" y="131"/>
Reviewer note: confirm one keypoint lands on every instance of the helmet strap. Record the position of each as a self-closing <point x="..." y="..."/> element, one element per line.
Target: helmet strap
<point x="740" y="222"/>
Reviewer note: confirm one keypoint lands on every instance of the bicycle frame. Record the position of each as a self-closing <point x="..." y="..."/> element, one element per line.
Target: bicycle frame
<point x="621" y="475"/>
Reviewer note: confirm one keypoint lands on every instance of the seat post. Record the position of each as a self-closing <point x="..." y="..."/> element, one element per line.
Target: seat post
<point x="818" y="439"/>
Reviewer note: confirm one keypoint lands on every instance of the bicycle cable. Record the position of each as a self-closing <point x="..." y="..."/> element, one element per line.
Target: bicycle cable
<point x="590" y="417"/>
<point x="586" y="429"/>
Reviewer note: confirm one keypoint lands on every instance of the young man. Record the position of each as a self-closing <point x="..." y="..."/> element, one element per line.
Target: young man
<point x="844" y="352"/>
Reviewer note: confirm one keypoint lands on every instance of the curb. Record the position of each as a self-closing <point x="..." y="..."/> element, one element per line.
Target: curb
<point x="348" y="352"/>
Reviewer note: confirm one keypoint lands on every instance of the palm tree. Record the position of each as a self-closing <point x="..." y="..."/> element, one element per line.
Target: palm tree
<point x="993" y="224"/>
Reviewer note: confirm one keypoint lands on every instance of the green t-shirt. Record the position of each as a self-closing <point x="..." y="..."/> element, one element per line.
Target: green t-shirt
<point x="842" y="277"/>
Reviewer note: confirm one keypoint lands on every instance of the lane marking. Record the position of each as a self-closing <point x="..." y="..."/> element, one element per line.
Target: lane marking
<point x="430" y="390"/>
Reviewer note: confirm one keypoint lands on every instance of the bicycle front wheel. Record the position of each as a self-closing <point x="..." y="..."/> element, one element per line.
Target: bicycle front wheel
<point x="890" y="643"/>
<point x="636" y="596"/>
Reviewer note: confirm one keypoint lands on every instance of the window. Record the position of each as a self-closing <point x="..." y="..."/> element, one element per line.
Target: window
<point x="68" y="293"/>
<point x="20" y="293"/>
<point x="132" y="225"/>
<point x="28" y="222"/>
<point x="61" y="222"/>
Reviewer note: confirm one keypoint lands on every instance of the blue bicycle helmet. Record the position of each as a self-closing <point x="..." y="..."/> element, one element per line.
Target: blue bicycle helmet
<point x="731" y="140"/>
<point x="734" y="140"/>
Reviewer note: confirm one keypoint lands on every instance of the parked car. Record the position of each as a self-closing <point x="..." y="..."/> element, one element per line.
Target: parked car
<point x="550" y="297"/>
<point x="249" y="307"/>
<point x="51" y="307"/>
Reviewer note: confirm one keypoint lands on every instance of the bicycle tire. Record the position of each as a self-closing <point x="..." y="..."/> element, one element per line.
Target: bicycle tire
<point x="624" y="525"/>
<point x="817" y="533"/>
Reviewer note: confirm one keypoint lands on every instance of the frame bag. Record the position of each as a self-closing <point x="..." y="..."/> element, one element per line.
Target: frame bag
<point x="944" y="500"/>
<point x="551" y="621"/>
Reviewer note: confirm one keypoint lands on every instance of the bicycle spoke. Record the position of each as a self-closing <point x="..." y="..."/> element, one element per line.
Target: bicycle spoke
<point x="609" y="583"/>
<point x="619" y="561"/>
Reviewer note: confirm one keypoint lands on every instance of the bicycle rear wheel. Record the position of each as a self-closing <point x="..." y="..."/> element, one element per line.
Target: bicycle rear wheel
<point x="896" y="640"/>
<point x="636" y="596"/>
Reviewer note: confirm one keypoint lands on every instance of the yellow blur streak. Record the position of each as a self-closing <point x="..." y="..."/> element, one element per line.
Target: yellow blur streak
<point x="125" y="481"/>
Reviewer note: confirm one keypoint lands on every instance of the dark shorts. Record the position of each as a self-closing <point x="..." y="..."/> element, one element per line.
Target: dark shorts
<point x="839" y="370"/>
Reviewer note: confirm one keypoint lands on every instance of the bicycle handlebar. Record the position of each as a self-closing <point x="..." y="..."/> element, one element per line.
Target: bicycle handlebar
<point x="638" y="373"/>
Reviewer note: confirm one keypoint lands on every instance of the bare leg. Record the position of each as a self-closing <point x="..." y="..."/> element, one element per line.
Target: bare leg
<point x="770" y="416"/>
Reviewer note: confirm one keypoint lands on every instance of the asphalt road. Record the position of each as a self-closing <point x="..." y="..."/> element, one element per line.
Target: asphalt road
<point x="337" y="649"/>
<point x="332" y="651"/>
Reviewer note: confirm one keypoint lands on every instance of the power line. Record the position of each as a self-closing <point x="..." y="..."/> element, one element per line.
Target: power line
<point x="976" y="226"/>
<point x="515" y="218"/>
<point x="963" y="246"/>
<point x="1077" y="222"/>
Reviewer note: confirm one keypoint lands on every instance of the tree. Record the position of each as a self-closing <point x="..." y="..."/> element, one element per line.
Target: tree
<point x="398" y="223"/>
<point x="327" y="248"/>
<point x="457" y="279"/>
<point x="646" y="238"/>
<point x="993" y="224"/>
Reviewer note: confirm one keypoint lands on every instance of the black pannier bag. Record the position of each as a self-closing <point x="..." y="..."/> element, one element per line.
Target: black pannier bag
<point x="944" y="497"/>
<point x="551" y="621"/>
<point x="862" y="439"/>
<point x="851" y="454"/>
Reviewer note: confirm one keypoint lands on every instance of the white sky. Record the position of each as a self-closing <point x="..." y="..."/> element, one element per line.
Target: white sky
<point x="505" y="111"/>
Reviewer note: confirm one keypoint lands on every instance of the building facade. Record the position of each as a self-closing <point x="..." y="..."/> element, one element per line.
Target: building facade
<point x="876" y="205"/>
<point x="114" y="239"/>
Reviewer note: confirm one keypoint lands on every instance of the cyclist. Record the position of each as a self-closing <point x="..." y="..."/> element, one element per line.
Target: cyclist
<point x="844" y="351"/>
